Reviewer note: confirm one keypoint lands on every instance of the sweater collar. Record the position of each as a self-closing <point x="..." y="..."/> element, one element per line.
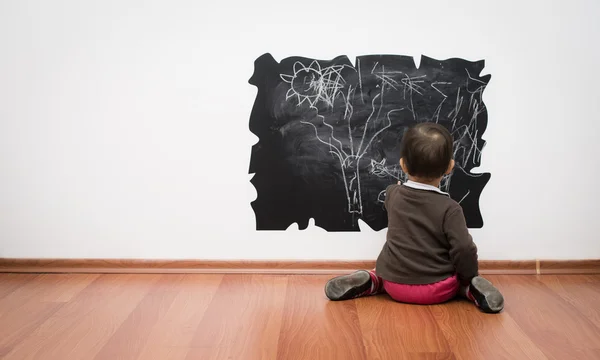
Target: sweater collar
<point x="421" y="186"/>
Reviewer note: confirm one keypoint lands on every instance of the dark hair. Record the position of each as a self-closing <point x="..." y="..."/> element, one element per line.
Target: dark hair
<point x="427" y="150"/>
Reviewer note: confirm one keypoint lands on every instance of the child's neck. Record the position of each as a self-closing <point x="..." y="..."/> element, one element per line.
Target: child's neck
<point x="433" y="182"/>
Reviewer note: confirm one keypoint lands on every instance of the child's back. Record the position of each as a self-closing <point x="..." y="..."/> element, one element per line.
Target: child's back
<point x="429" y="256"/>
<point x="427" y="238"/>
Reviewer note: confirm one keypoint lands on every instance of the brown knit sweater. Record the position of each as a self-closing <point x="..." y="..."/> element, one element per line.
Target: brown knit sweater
<point x="427" y="238"/>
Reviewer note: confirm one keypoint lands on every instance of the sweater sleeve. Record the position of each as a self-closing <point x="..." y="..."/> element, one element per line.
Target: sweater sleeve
<point x="463" y="251"/>
<point x="388" y="194"/>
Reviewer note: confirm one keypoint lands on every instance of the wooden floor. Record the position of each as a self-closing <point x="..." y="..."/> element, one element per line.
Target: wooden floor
<point x="62" y="316"/>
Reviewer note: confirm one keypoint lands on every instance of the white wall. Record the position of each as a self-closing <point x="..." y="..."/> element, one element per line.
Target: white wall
<point x="113" y="116"/>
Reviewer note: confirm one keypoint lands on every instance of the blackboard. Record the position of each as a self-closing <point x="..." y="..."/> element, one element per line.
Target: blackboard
<point x="329" y="135"/>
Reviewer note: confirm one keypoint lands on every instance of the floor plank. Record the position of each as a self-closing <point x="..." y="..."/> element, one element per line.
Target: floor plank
<point x="132" y="336"/>
<point x="27" y="306"/>
<point x="554" y="325"/>
<point x="16" y="326"/>
<point x="419" y="356"/>
<point x="242" y="320"/>
<point x="172" y="335"/>
<point x="64" y="287"/>
<point x="45" y="288"/>
<point x="472" y="334"/>
<point x="80" y="328"/>
<point x="581" y="291"/>
<point x="380" y="335"/>
<point x="11" y="282"/>
<point x="315" y="328"/>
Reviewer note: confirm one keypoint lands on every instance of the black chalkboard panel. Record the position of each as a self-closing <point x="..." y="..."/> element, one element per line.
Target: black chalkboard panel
<point x="329" y="135"/>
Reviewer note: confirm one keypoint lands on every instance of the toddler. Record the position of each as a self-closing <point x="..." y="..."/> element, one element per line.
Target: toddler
<point x="429" y="256"/>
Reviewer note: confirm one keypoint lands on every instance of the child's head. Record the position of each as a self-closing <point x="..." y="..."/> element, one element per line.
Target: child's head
<point x="426" y="152"/>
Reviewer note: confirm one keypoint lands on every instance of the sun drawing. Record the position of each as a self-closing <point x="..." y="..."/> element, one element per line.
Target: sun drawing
<point x="313" y="83"/>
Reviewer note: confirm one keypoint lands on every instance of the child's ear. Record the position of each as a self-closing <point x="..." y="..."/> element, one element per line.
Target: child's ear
<point x="450" y="167"/>
<point x="403" y="165"/>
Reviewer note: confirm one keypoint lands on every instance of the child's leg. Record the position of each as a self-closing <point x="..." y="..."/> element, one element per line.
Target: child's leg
<point x="484" y="295"/>
<point x="357" y="284"/>
<point x="425" y="294"/>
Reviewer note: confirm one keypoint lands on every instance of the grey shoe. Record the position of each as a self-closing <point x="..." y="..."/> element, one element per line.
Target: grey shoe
<point x="486" y="296"/>
<point x="348" y="286"/>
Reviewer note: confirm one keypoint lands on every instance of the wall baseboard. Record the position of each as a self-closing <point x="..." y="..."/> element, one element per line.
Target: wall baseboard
<point x="128" y="266"/>
<point x="569" y="267"/>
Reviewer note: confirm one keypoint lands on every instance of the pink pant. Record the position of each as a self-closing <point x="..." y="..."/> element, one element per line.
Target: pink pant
<point x="428" y="294"/>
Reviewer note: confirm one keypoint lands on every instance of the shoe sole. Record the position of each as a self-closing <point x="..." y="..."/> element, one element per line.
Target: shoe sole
<point x="489" y="298"/>
<point x="348" y="286"/>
